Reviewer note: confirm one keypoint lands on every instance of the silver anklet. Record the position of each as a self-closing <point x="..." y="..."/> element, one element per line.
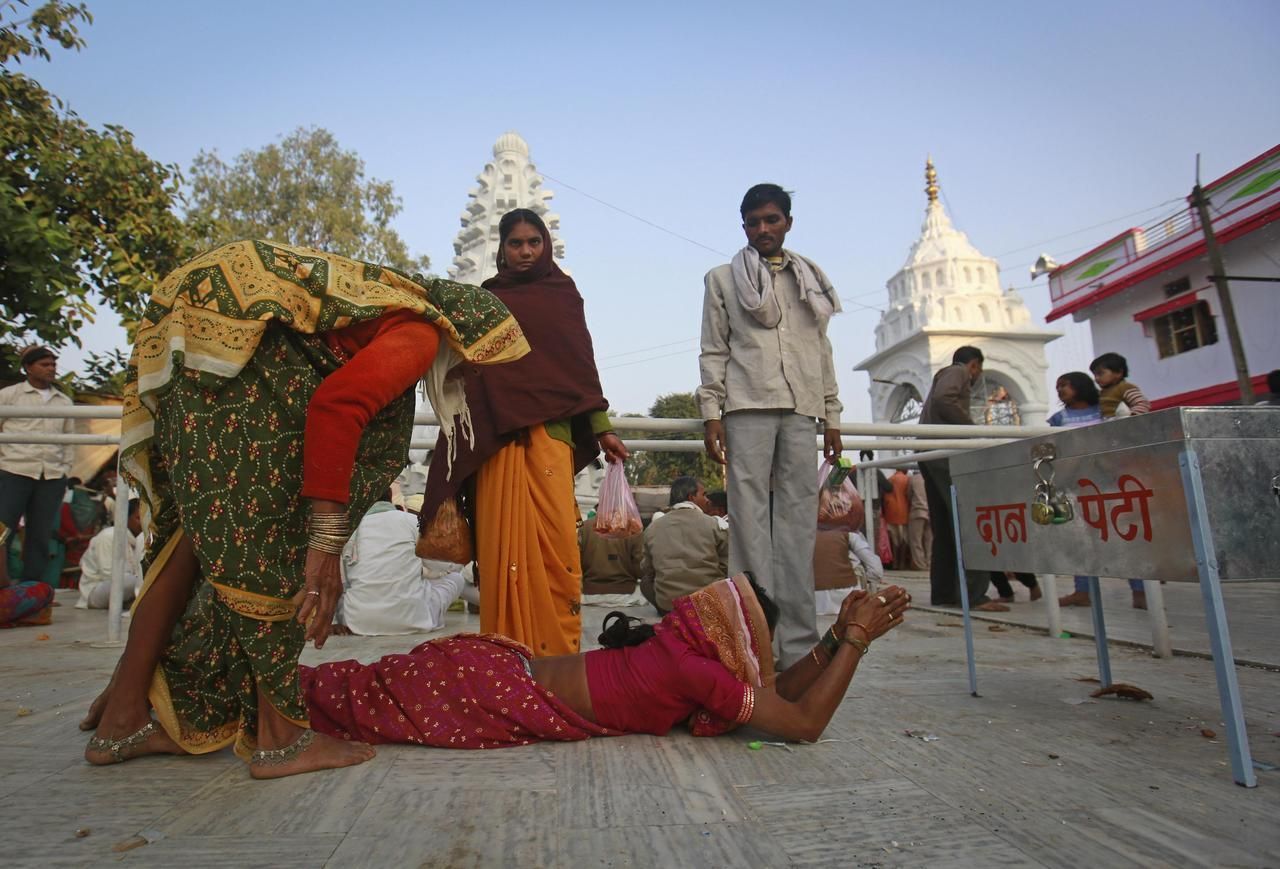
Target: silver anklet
<point x="278" y="756"/>
<point x="117" y="747"/>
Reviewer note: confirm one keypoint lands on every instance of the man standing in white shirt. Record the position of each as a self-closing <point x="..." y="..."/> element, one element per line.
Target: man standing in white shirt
<point x="385" y="590"/>
<point x="33" y="477"/>
<point x="768" y="385"/>
<point x="95" y="564"/>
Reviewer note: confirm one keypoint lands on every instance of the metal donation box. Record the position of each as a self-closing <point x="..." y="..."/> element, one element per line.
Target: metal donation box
<point x="1183" y="495"/>
<point x="1125" y="481"/>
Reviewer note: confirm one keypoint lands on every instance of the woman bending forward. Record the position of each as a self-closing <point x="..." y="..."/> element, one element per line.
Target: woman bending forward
<point x="270" y="400"/>
<point x="708" y="663"/>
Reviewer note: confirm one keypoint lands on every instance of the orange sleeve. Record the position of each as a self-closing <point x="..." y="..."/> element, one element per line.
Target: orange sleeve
<point x="397" y="354"/>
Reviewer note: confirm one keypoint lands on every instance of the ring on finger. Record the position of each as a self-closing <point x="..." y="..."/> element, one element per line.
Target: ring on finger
<point x="314" y="592"/>
<point x="882" y="600"/>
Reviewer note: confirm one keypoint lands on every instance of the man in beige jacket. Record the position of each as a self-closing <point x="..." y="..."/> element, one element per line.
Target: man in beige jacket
<point x="685" y="549"/>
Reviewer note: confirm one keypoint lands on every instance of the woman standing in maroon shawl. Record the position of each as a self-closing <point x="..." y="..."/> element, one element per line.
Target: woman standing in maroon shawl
<point x="535" y="424"/>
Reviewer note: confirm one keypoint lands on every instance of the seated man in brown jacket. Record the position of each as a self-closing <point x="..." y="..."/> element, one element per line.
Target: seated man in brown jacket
<point x="609" y="565"/>
<point x="684" y="549"/>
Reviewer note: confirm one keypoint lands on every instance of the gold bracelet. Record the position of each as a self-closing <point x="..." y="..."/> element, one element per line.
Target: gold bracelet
<point x="330" y="543"/>
<point x="862" y="647"/>
<point x="814" y="654"/>
<point x="336" y="523"/>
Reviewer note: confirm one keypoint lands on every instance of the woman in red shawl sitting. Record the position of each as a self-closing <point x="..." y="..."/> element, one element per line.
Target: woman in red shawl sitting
<point x="533" y="426"/>
<point x="708" y="663"/>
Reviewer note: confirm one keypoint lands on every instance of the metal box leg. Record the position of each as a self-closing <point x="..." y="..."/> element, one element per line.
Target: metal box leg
<point x="964" y="595"/>
<point x="1215" y="616"/>
<point x="1049" y="585"/>
<point x="1161" y="647"/>
<point x="1100" y="631"/>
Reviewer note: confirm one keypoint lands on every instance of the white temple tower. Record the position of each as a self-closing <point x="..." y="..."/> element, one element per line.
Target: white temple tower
<point x="946" y="295"/>
<point x="509" y="181"/>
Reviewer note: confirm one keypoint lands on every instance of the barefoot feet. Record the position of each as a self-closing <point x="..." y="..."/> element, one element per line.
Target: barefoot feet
<point x="316" y="752"/>
<point x="118" y="744"/>
<point x="99" y="703"/>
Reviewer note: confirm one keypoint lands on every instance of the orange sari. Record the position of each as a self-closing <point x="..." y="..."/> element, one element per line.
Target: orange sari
<point x="527" y="545"/>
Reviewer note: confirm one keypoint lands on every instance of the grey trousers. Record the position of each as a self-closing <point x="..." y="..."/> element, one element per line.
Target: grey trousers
<point x="775" y="542"/>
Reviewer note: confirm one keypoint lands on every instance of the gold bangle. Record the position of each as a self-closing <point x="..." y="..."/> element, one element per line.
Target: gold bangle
<point x="337" y="523"/>
<point x="328" y="543"/>
<point x="862" y="647"/>
<point x="814" y="654"/>
<point x="748" y="706"/>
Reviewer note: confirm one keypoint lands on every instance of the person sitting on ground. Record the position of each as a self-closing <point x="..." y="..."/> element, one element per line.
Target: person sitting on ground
<point x="95" y="564"/>
<point x="708" y="663"/>
<point x="80" y="518"/>
<point x="29" y="602"/>
<point x="610" y="565"/>
<point x="385" y="589"/>
<point x="684" y="550"/>
<point x="718" y="506"/>
<point x="1081" y="406"/>
<point x="842" y="560"/>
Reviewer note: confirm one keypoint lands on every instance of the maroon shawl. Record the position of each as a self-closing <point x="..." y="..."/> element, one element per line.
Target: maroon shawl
<point x="556" y="380"/>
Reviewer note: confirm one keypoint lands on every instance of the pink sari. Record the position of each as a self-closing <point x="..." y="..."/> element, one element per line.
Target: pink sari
<point x="464" y="691"/>
<point x="703" y="665"/>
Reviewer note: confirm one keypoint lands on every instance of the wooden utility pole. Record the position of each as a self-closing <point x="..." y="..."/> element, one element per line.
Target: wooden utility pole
<point x="1224" y="291"/>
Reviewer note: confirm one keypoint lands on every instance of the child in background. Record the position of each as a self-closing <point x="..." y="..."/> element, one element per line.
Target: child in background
<point x="1081" y="406"/>
<point x="1110" y="370"/>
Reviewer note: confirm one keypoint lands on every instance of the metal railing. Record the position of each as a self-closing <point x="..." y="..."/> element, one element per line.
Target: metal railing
<point x="920" y="442"/>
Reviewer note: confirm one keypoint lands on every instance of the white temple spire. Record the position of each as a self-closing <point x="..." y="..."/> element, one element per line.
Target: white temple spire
<point x="946" y="294"/>
<point x="509" y="181"/>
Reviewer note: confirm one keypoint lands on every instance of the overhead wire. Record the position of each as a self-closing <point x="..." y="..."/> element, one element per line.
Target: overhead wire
<point x="851" y="299"/>
<point x="646" y="221"/>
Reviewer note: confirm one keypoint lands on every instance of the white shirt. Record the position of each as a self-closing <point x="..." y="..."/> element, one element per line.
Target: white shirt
<point x="47" y="461"/>
<point x="385" y="589"/>
<point x="689" y="505"/>
<point x="747" y="366"/>
<point x="95" y="564"/>
<point x="860" y="551"/>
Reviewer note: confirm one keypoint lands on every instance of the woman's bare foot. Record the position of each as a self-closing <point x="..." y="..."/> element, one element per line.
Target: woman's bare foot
<point x="323" y="752"/>
<point x="99" y="703"/>
<point x="115" y="744"/>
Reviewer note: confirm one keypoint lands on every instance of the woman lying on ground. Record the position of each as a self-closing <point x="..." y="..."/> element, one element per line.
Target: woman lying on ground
<point x="708" y="662"/>
<point x="270" y="400"/>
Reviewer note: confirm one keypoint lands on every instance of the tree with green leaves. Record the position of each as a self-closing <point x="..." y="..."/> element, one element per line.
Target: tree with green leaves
<point x="659" y="469"/>
<point x="85" y="216"/>
<point x="305" y="190"/>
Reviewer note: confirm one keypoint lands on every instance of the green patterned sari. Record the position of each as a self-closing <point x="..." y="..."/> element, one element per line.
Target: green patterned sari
<point x="224" y="367"/>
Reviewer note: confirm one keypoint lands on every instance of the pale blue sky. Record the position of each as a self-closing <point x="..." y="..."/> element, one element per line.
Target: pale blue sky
<point x="1042" y="118"/>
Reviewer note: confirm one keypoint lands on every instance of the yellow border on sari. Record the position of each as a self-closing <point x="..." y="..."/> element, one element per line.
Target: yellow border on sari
<point x="255" y="606"/>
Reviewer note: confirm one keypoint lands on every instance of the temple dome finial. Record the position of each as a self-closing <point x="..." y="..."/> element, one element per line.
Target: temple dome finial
<point x="511" y="141"/>
<point x="931" y="179"/>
